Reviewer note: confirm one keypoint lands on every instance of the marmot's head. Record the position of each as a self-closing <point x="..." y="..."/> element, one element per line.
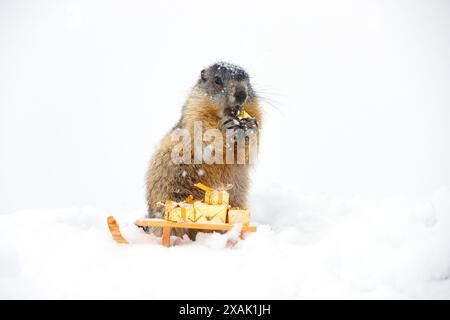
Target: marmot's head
<point x="228" y="86"/>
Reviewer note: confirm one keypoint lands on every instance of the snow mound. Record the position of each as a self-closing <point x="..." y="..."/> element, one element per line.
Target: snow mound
<point x="316" y="246"/>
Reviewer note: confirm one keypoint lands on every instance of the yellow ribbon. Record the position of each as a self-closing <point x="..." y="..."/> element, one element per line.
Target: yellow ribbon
<point x="206" y="188"/>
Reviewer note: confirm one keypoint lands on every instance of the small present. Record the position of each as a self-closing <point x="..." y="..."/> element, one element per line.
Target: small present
<point x="238" y="215"/>
<point x="215" y="196"/>
<point x="179" y="211"/>
<point x="181" y="214"/>
<point x="210" y="213"/>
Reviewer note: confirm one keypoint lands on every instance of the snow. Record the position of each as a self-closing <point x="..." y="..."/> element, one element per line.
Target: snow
<point x="315" y="246"/>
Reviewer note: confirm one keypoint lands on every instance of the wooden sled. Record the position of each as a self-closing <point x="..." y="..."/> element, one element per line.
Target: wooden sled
<point x="168" y="225"/>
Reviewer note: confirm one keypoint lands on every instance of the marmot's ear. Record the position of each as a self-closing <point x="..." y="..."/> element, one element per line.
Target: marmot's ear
<point x="203" y="74"/>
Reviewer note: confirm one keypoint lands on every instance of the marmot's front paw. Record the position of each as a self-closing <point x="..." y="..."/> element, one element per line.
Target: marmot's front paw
<point x="248" y="123"/>
<point x="229" y="123"/>
<point x="244" y="124"/>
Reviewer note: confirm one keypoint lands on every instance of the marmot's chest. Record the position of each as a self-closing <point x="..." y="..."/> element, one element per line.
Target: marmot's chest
<point x="217" y="175"/>
<point x="218" y="172"/>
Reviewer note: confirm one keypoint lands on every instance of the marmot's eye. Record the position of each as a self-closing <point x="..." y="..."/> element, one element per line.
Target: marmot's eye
<point x="203" y="75"/>
<point x="218" y="80"/>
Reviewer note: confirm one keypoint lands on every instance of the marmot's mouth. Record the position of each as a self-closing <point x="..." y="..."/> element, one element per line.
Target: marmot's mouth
<point x="234" y="110"/>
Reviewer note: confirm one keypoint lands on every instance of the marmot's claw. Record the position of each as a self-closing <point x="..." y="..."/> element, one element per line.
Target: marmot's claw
<point x="230" y="123"/>
<point x="245" y="124"/>
<point x="248" y="123"/>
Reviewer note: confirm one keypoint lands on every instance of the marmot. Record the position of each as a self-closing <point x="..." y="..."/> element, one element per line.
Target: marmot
<point x="221" y="93"/>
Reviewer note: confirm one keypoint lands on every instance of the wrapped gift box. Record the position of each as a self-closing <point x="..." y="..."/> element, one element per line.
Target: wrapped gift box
<point x="179" y="211"/>
<point x="238" y="215"/>
<point x="215" y="196"/>
<point x="210" y="213"/>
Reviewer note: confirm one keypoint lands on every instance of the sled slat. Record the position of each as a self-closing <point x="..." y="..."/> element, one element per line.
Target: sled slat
<point x="187" y="225"/>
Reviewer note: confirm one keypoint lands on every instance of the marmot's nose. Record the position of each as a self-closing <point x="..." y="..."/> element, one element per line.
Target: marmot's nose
<point x="240" y="96"/>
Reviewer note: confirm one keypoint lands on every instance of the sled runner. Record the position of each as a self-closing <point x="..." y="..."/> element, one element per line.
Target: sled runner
<point x="115" y="231"/>
<point x="168" y="225"/>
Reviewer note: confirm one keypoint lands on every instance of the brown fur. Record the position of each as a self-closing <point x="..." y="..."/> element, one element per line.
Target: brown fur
<point x="164" y="178"/>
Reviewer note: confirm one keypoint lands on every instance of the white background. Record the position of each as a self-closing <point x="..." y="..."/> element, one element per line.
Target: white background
<point x="87" y="88"/>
